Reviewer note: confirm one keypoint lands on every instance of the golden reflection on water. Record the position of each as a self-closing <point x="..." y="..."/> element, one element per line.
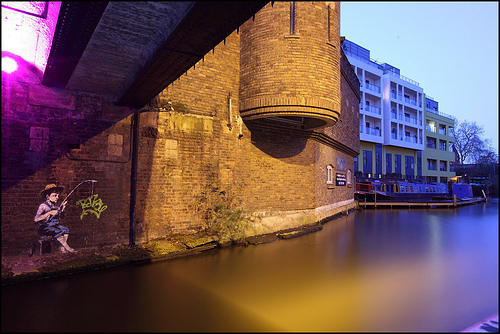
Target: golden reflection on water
<point x="311" y="285"/>
<point x="374" y="270"/>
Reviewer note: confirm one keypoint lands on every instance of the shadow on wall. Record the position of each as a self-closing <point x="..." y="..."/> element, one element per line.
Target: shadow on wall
<point x="276" y="143"/>
<point x="63" y="137"/>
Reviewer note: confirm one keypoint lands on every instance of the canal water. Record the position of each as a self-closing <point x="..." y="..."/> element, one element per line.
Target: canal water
<point x="373" y="270"/>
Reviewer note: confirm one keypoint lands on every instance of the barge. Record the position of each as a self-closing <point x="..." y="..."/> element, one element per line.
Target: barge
<point x="373" y="193"/>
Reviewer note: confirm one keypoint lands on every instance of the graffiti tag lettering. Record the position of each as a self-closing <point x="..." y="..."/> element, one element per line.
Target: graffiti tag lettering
<point x="92" y="205"/>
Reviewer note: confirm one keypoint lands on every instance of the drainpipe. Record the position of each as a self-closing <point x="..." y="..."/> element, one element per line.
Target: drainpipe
<point x="133" y="174"/>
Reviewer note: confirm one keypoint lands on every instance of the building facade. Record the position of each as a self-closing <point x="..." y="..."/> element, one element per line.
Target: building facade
<point x="393" y="123"/>
<point x="438" y="157"/>
<point x="269" y="116"/>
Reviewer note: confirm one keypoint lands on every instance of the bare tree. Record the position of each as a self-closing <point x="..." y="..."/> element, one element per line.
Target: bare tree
<point x="486" y="154"/>
<point x="468" y="141"/>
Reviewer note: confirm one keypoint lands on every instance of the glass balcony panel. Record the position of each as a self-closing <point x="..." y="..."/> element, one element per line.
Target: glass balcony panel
<point x="372" y="87"/>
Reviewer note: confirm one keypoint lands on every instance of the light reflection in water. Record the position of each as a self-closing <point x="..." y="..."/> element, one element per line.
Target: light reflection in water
<point x="383" y="270"/>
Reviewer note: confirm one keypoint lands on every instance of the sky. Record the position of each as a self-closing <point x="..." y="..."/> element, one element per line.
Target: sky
<point x="449" y="48"/>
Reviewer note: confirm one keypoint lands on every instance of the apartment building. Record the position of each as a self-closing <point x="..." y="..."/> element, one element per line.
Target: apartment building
<point x="438" y="156"/>
<point x="402" y="133"/>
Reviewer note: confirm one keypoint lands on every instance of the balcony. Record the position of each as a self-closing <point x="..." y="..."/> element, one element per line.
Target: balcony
<point x="411" y="120"/>
<point x="411" y="139"/>
<point x="372" y="87"/>
<point x="373" y="132"/>
<point x="372" y="109"/>
<point x="410" y="100"/>
<point x="396" y="96"/>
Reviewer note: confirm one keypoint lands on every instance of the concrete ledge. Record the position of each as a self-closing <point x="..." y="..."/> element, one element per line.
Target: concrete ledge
<point x="262" y="239"/>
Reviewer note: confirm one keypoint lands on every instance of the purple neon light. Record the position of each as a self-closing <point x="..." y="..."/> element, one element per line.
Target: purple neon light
<point x="9" y="65"/>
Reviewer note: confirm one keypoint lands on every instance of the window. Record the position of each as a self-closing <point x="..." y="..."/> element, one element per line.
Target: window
<point x="431" y="142"/>
<point x="419" y="163"/>
<point x="442" y="145"/>
<point x="388" y="163"/>
<point x="349" y="178"/>
<point x="431" y="164"/>
<point x="450" y="147"/>
<point x="442" y="129"/>
<point x="442" y="166"/>
<point x="431" y="126"/>
<point x="397" y="163"/>
<point x="329" y="174"/>
<point x="39" y="139"/>
<point x="394" y="133"/>
<point x="329" y="25"/>
<point x="292" y="17"/>
<point x="378" y="158"/>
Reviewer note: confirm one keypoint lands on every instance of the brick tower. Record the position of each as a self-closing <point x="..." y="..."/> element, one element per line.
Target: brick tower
<point x="290" y="64"/>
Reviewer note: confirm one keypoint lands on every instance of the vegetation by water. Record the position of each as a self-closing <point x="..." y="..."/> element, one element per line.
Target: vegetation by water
<point x="222" y="213"/>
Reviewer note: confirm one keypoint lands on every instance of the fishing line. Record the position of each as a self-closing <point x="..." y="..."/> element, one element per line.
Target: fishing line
<point x="77" y="187"/>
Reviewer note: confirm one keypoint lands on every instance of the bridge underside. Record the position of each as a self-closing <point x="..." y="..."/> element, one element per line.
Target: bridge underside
<point x="130" y="51"/>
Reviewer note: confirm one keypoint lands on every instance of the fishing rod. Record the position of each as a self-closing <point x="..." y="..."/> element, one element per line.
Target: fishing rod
<point x="93" y="181"/>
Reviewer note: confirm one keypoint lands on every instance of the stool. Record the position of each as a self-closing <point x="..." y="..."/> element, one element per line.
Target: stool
<point x="45" y="244"/>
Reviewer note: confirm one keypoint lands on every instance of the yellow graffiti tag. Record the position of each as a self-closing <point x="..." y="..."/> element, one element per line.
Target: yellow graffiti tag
<point x="92" y="205"/>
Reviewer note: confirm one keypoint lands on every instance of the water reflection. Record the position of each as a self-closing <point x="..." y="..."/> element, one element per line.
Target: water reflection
<point x="383" y="270"/>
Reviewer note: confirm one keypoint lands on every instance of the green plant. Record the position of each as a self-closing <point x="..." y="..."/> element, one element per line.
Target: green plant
<point x="220" y="209"/>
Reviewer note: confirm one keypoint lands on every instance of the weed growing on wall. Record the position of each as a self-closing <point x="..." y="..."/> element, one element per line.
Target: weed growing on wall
<point x="220" y="209"/>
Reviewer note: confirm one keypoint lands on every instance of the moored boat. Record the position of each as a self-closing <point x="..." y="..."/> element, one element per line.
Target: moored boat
<point x="400" y="190"/>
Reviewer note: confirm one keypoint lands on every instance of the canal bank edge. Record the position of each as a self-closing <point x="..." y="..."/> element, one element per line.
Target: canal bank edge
<point x="25" y="269"/>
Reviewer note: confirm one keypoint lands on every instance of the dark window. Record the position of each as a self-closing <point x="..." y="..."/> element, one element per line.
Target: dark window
<point x="388" y="163"/>
<point x="378" y="158"/>
<point x="397" y="163"/>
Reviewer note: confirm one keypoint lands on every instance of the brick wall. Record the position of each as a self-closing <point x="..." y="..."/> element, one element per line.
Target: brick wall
<point x="271" y="168"/>
<point x="63" y="137"/>
<point x="291" y="74"/>
<point x="194" y="145"/>
<point x="189" y="137"/>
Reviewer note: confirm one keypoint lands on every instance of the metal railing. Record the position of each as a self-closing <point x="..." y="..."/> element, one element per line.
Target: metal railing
<point x="440" y="113"/>
<point x="402" y="77"/>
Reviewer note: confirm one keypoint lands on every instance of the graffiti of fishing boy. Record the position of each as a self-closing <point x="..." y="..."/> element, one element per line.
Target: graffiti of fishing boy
<point x="49" y="214"/>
